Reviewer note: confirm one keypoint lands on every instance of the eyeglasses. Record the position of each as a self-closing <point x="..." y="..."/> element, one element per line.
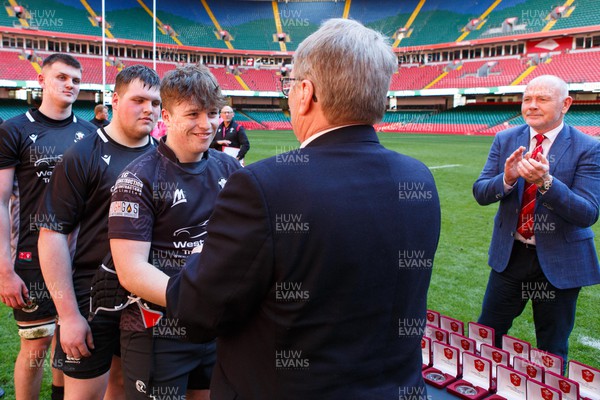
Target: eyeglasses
<point x="286" y="85"/>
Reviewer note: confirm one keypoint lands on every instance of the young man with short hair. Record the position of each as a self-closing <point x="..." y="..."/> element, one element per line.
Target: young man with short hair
<point x="30" y="147"/>
<point x="160" y="207"/>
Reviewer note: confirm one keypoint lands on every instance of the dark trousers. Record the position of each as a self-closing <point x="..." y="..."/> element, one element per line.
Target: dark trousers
<point x="508" y="292"/>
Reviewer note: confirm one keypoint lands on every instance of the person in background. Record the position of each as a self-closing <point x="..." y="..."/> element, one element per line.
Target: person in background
<point x="30" y="147"/>
<point x="546" y="176"/>
<point x="100" y="116"/>
<point x="78" y="198"/>
<point x="231" y="134"/>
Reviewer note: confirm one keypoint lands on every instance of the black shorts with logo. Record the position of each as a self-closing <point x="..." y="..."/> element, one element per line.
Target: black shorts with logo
<point x="164" y="367"/>
<point x="40" y="306"/>
<point x="106" y="336"/>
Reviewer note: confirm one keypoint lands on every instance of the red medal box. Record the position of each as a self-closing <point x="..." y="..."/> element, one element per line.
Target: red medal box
<point x="550" y="362"/>
<point x="433" y="318"/>
<point x="426" y="351"/>
<point x="445" y="366"/>
<point x="515" y="347"/>
<point x="435" y="333"/>
<point x="512" y="385"/>
<point x="462" y="343"/>
<point x="497" y="357"/>
<point x="533" y="371"/>
<point x="569" y="388"/>
<point x="482" y="334"/>
<point x="539" y="391"/>
<point x="452" y="325"/>
<point x="588" y="379"/>
<point x="476" y="382"/>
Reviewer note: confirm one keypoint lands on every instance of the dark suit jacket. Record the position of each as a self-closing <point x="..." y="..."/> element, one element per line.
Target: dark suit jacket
<point x="236" y="134"/>
<point x="563" y="215"/>
<point x="315" y="273"/>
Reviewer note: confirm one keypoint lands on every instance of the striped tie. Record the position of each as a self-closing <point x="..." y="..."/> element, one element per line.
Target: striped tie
<point x="525" y="227"/>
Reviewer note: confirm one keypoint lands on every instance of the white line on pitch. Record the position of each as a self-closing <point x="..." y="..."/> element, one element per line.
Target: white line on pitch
<point x="445" y="166"/>
<point x="591" y="342"/>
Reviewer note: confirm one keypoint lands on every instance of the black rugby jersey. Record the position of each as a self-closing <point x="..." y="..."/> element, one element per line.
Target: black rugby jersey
<point x="33" y="143"/>
<point x="78" y="197"/>
<point x="159" y="200"/>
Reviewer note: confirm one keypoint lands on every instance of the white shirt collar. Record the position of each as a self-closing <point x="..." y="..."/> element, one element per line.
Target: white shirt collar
<point x="550" y="135"/>
<point x="319" y="134"/>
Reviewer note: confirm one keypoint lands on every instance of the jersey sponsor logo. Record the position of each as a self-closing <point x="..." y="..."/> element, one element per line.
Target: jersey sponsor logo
<point x="106" y="159"/>
<point x="222" y="182"/>
<point x="178" y="197"/>
<point x="125" y="209"/>
<point x="33" y="137"/>
<point x="129" y="183"/>
<point x="51" y="160"/>
<point x="189" y="237"/>
<point x="78" y="136"/>
<point x="25" y="256"/>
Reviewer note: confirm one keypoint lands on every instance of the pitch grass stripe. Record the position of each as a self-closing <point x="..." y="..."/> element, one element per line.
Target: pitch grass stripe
<point x="588" y="341"/>
<point x="445" y="166"/>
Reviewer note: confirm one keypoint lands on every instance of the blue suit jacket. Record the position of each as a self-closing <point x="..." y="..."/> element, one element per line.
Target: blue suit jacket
<point x="563" y="215"/>
<point x="315" y="272"/>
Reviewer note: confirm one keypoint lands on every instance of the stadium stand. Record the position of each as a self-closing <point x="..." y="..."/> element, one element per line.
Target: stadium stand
<point x="226" y="79"/>
<point x="575" y="67"/>
<point x="253" y="24"/>
<point x="272" y="120"/>
<point x="498" y="72"/>
<point x="299" y="21"/>
<point x="14" y="67"/>
<point x="247" y="122"/>
<point x="261" y="79"/>
<point x="415" y="77"/>
<point x="584" y="13"/>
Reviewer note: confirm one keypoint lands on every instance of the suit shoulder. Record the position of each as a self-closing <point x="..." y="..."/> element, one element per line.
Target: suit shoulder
<point x="512" y="131"/>
<point x="579" y="135"/>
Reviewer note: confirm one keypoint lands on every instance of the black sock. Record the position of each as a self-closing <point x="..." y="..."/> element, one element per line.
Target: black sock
<point x="58" y="392"/>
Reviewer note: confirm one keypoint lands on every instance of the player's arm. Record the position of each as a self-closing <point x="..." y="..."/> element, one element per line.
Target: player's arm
<point x="135" y="273"/>
<point x="13" y="290"/>
<point x="55" y="262"/>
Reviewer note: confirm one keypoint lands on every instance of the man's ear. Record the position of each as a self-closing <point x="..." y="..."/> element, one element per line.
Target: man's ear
<point x="307" y="96"/>
<point x="115" y="101"/>
<point x="567" y="104"/>
<point x="165" y="116"/>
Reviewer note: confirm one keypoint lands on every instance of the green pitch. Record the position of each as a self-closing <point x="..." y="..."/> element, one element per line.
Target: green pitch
<point x="460" y="270"/>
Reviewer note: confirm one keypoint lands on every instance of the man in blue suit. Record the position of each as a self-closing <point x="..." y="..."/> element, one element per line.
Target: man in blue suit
<point x="315" y="271"/>
<point x="544" y="250"/>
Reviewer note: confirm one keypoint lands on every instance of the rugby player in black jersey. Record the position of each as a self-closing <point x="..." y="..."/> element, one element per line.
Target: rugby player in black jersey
<point x="78" y="197"/>
<point x="30" y="146"/>
<point x="158" y="214"/>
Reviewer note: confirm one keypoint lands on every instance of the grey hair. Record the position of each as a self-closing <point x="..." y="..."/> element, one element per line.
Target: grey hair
<point x="351" y="67"/>
<point x="552" y="81"/>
